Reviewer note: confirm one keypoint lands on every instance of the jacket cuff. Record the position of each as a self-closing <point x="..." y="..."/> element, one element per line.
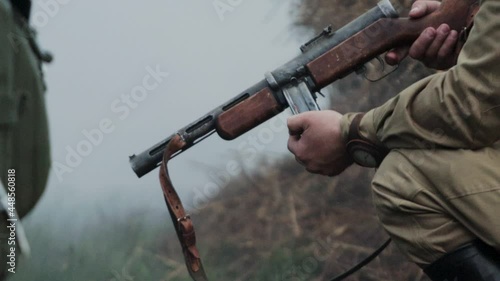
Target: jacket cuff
<point x="345" y="123"/>
<point x="366" y="127"/>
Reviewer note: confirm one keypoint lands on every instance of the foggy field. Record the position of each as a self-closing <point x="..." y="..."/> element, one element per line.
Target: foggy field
<point x="270" y="220"/>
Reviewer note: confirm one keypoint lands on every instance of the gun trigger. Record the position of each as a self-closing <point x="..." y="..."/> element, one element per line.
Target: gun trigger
<point x="364" y="70"/>
<point x="361" y="70"/>
<point x="382" y="63"/>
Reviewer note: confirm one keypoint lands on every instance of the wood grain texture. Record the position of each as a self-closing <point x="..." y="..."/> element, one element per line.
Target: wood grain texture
<point x="247" y="115"/>
<point x="384" y="35"/>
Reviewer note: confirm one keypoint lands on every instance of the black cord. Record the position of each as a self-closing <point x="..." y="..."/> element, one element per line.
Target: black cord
<point x="364" y="262"/>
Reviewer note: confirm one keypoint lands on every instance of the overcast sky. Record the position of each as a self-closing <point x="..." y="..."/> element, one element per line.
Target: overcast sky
<point x="107" y="49"/>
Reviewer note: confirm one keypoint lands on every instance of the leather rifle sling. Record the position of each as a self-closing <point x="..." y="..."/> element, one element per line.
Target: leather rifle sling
<point x="182" y="221"/>
<point x="185" y="229"/>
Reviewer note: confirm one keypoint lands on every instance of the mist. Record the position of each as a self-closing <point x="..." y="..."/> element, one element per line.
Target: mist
<point x="185" y="58"/>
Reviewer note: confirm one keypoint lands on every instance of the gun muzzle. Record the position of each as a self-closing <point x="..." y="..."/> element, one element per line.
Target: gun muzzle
<point x="148" y="160"/>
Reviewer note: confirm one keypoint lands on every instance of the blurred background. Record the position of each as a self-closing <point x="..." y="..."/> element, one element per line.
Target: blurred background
<point x="266" y="220"/>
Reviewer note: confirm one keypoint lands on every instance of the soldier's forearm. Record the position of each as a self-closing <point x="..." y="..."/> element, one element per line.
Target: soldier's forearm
<point x="459" y="108"/>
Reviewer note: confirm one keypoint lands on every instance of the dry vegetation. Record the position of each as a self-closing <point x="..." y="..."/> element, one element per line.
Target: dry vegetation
<point x="282" y="223"/>
<point x="279" y="223"/>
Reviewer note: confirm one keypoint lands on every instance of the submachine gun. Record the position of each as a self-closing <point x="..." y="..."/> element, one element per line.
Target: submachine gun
<point x="325" y="59"/>
<point x="328" y="57"/>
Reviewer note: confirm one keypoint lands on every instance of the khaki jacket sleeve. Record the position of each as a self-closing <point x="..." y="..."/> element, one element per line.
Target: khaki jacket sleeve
<point x="8" y="112"/>
<point x="459" y="108"/>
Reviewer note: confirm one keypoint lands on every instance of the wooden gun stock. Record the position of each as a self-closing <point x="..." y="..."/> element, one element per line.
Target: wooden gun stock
<point x="384" y="35"/>
<point x="344" y="58"/>
<point x="327" y="58"/>
<point x="247" y="114"/>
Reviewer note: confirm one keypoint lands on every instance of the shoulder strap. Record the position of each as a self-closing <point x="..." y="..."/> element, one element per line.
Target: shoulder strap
<point x="185" y="229"/>
<point x="182" y="221"/>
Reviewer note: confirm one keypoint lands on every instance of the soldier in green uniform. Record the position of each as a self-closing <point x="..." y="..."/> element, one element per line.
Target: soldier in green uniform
<point x="437" y="189"/>
<point x="24" y="141"/>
